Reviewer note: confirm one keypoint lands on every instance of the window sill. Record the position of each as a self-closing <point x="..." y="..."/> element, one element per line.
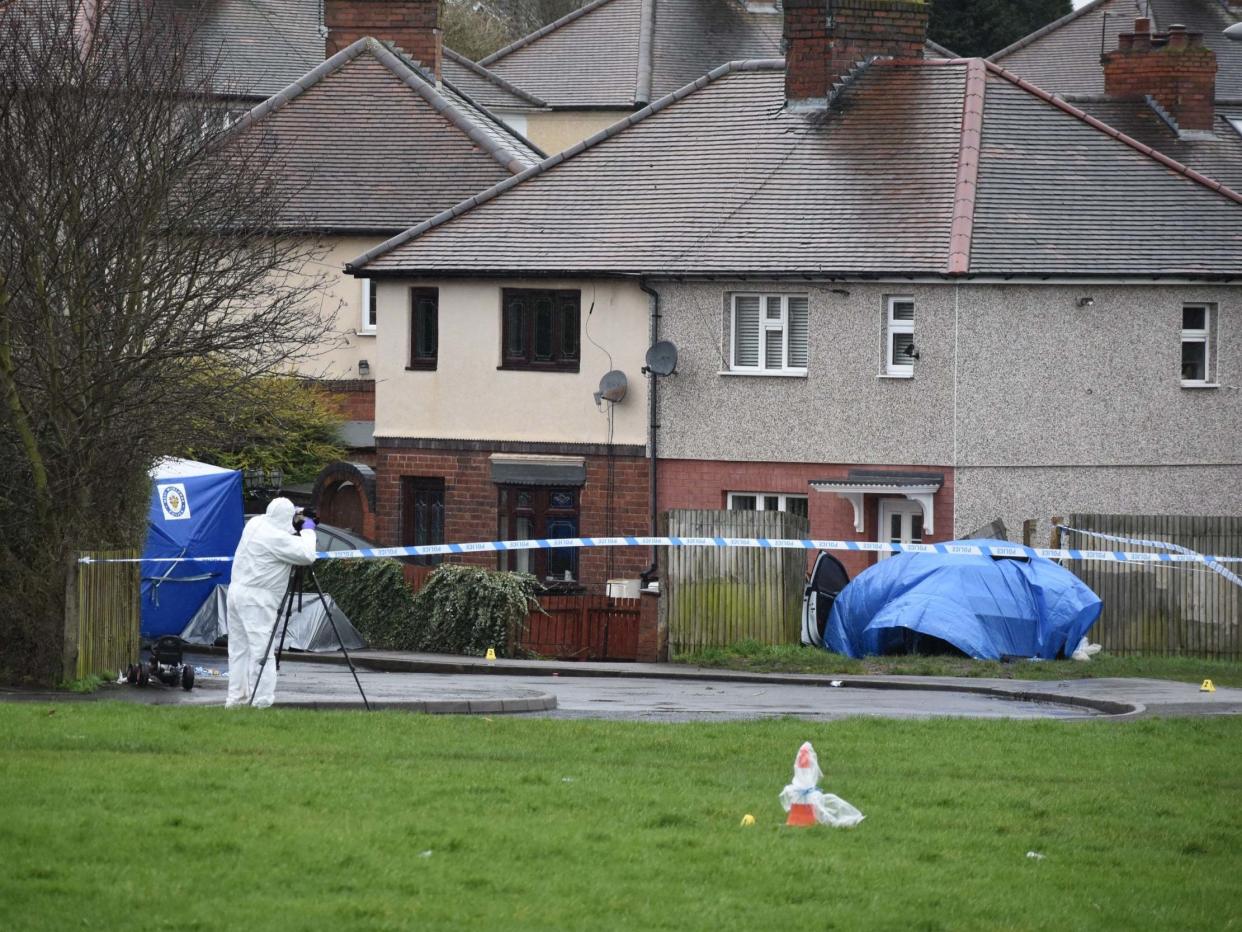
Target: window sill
<point x="503" y="368"/>
<point x="364" y="333"/>
<point x="1200" y="385"/>
<point x="427" y="367"/>
<point x="767" y="373"/>
<point x="895" y="375"/>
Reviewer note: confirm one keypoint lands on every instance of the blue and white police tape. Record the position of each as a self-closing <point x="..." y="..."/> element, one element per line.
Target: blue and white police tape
<point x="766" y="543"/>
<point x="1158" y="544"/>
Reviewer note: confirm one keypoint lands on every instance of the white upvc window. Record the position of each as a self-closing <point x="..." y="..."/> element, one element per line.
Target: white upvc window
<point x="768" y="334"/>
<point x="768" y="501"/>
<point x="899" y="351"/>
<point x="368" y="304"/>
<point x="1198" y="326"/>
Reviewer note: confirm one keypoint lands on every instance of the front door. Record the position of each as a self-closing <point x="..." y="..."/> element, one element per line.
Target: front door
<point x="901" y="522"/>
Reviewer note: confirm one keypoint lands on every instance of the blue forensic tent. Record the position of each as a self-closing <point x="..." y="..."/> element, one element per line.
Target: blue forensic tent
<point x="196" y="511"/>
<point x="986" y="607"/>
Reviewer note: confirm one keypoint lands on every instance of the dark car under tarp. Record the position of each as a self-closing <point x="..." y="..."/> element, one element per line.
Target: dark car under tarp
<point x="988" y="608"/>
<point x="309" y="629"/>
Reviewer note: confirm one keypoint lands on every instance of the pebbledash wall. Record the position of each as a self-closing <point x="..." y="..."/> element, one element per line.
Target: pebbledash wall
<point x="1030" y="405"/>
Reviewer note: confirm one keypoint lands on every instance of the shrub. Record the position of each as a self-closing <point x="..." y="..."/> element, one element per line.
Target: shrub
<point x="466" y="610"/>
<point x="373" y="594"/>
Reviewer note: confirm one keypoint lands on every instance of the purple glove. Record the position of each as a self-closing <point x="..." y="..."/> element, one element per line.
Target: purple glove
<point x="308" y="524"/>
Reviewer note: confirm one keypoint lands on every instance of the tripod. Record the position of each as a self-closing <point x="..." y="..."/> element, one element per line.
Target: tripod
<point x="296" y="582"/>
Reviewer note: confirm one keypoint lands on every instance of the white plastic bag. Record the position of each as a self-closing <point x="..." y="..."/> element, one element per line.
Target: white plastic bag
<point x="804" y="790"/>
<point x="1085" y="650"/>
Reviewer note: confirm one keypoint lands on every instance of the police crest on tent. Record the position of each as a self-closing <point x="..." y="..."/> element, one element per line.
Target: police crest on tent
<point x="174" y="502"/>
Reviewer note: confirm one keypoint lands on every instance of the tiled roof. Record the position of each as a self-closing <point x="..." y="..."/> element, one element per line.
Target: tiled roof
<point x="484" y="86"/>
<point x="1219" y="157"/>
<point x="368" y="144"/>
<point x="627" y="53"/>
<point x="720" y="179"/>
<point x="263" y="45"/>
<point x="1064" y="56"/>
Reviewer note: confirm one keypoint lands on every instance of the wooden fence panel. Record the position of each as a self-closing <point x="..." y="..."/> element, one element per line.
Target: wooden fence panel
<point x="104" y="601"/>
<point x="583" y="627"/>
<point x="1172" y="609"/>
<point x="719" y="596"/>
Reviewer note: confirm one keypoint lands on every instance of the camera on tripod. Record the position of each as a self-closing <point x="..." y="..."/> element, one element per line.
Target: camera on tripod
<point x="300" y="516"/>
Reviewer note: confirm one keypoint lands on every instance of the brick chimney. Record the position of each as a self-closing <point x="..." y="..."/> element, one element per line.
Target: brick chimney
<point x="412" y="25"/>
<point x="825" y="39"/>
<point x="1174" y="68"/>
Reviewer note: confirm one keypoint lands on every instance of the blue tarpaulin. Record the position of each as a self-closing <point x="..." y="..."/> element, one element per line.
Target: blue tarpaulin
<point x="196" y="511"/>
<point x="987" y="608"/>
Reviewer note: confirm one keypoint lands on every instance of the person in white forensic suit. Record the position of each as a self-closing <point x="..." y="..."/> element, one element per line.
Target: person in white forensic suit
<point x="269" y="549"/>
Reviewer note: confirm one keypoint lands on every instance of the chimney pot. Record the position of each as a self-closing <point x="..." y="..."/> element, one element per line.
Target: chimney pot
<point x="1141" y="25"/>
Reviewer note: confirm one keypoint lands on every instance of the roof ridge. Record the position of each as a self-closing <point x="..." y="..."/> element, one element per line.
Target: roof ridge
<point x="646" y="42"/>
<point x="542" y="31"/>
<point x="282" y="97"/>
<point x="962" y="231"/>
<point x="1047" y="28"/>
<point x="488" y="75"/>
<point x="759" y="64"/>
<point x="1103" y="127"/>
<point x="507" y="158"/>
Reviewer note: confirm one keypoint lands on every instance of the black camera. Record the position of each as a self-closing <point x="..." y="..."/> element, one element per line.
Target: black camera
<point x="300" y="516"/>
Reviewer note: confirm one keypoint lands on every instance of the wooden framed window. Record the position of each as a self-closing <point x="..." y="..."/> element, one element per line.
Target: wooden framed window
<point x="535" y="512"/>
<point x="540" y="329"/>
<point x="424" y="327"/>
<point x="422" y="515"/>
<point x="768" y="334"/>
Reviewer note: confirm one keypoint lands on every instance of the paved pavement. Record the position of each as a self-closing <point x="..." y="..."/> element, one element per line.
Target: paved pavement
<point x="673" y="692"/>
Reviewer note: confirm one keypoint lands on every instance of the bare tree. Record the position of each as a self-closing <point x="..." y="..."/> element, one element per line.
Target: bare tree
<point x="137" y="251"/>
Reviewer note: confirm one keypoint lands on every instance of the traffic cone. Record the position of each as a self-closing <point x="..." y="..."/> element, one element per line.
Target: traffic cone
<point x="802" y="814"/>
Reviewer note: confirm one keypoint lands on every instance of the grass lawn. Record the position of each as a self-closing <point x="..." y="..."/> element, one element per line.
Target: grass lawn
<point x="793" y="658"/>
<point x="118" y="816"/>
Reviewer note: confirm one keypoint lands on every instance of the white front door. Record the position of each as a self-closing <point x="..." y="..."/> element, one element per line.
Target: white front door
<point x="901" y="522"/>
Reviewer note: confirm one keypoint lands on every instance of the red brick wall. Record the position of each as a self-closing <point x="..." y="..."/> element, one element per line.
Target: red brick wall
<point x="705" y="484"/>
<point x="471" y="505"/>
<point x="1172" y="67"/>
<point x="413" y="25"/>
<point x="352" y="399"/>
<point x="819" y="53"/>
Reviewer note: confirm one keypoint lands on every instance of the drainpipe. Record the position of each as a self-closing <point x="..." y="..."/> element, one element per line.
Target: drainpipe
<point x="652" y="427"/>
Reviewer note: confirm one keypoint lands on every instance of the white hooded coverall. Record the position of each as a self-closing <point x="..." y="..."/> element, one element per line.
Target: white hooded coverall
<point x="261" y="565"/>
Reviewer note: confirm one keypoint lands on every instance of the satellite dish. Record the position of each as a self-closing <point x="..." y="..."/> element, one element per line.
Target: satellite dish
<point x="612" y="386"/>
<point x="1234" y="32"/>
<point x="661" y="359"/>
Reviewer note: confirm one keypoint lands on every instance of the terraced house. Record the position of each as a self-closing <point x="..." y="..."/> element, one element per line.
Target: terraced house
<point x="930" y="295"/>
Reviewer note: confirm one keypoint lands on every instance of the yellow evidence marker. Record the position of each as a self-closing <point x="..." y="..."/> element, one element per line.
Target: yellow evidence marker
<point x="491" y="655"/>
<point x="1207" y="687"/>
<point x="748" y="819"/>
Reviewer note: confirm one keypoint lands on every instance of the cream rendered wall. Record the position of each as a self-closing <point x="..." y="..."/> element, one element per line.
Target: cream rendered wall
<point x="555" y="131"/>
<point x="338" y="355"/>
<point x="468" y="397"/>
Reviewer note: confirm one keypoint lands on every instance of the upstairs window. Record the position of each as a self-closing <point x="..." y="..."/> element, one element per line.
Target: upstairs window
<point x="900" y="352"/>
<point x="1198" y="322"/>
<point x="368" y="304"/>
<point x="540" y="329"/>
<point x="424" y="327"/>
<point x="768" y="334"/>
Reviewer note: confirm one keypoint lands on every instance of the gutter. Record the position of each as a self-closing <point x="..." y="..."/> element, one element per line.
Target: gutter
<point x="652" y="431"/>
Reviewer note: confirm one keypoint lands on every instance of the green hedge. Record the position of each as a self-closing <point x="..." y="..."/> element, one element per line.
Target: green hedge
<point x="374" y="596"/>
<point x="459" y="610"/>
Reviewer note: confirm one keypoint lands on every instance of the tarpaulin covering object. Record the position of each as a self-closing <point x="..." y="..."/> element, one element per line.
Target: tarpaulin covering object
<point x="309" y="629"/>
<point x="986" y="607"/>
<point x="196" y="511"/>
